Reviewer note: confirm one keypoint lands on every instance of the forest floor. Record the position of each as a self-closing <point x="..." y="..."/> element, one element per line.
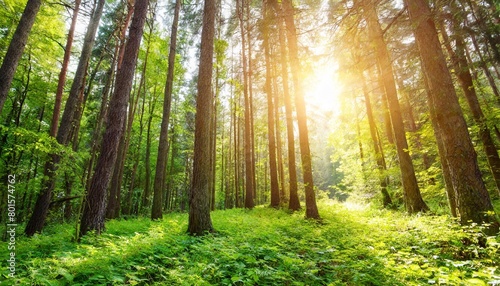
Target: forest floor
<point x="353" y="245"/>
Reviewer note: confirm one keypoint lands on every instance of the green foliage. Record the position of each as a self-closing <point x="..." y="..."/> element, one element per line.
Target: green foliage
<point x="353" y="245"/>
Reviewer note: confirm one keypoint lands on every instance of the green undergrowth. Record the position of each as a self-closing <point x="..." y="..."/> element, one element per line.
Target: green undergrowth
<point x="352" y="245"/>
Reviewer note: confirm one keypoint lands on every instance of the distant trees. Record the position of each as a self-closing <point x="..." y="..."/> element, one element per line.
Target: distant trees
<point x="133" y="143"/>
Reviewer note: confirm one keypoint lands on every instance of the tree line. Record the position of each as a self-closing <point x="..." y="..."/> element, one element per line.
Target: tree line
<point x="123" y="124"/>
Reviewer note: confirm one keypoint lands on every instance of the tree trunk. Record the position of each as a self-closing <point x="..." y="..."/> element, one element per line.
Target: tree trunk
<point x="249" y="180"/>
<point x="16" y="48"/>
<point x="294" y="203"/>
<point x="461" y="68"/>
<point x="161" y="160"/>
<point x="40" y="211"/>
<point x="473" y="201"/>
<point x="379" y="156"/>
<point x="275" y="192"/>
<point x="446" y="171"/>
<point x="412" y="197"/>
<point x="114" y="192"/>
<point x="236" y="131"/>
<point x="64" y="68"/>
<point x="199" y="205"/>
<point x="279" y="152"/>
<point x="95" y="201"/>
<point x="250" y="96"/>
<point x="305" y="152"/>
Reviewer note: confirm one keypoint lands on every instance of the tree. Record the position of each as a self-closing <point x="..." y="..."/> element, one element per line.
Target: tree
<point x="199" y="203"/>
<point x="40" y="211"/>
<point x="472" y="198"/>
<point x="64" y="69"/>
<point x="161" y="161"/>
<point x="294" y="203"/>
<point x="271" y="134"/>
<point x="249" y="162"/>
<point x="305" y="152"/>
<point x="462" y="72"/>
<point x="377" y="147"/>
<point x="412" y="197"/>
<point x="94" y="209"/>
<point x="16" y="48"/>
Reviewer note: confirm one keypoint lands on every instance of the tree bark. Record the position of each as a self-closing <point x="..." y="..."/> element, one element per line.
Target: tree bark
<point x="412" y="197"/>
<point x="64" y="68"/>
<point x="161" y="160"/>
<point x="40" y="211"/>
<point x="294" y="203"/>
<point x="461" y="68"/>
<point x="249" y="181"/>
<point x="16" y="48"/>
<point x="473" y="201"/>
<point x="199" y="204"/>
<point x="275" y="192"/>
<point x="95" y="201"/>
<point x="305" y="152"/>
<point x="379" y="155"/>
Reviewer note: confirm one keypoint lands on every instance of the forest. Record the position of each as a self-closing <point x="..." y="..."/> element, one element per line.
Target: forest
<point x="246" y="142"/>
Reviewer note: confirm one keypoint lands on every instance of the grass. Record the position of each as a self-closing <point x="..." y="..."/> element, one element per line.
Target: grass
<point x="353" y="245"/>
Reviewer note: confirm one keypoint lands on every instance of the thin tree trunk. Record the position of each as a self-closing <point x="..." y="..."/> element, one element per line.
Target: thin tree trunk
<point x="305" y="152"/>
<point x="249" y="181"/>
<point x="379" y="156"/>
<point x="484" y="67"/>
<point x="275" y="192"/>
<point x="146" y="199"/>
<point x="236" y="153"/>
<point x="279" y="152"/>
<point x="294" y="203"/>
<point x="161" y="160"/>
<point x="64" y="68"/>
<point x="250" y="96"/>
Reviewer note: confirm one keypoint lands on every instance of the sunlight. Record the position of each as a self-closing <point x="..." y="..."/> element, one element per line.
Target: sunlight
<point x="322" y="89"/>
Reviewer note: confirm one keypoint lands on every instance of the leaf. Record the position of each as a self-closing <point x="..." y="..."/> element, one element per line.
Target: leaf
<point x="475" y="281"/>
<point x="235" y="278"/>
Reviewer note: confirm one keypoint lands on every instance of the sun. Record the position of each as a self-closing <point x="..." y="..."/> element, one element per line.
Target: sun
<point x="323" y="89"/>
